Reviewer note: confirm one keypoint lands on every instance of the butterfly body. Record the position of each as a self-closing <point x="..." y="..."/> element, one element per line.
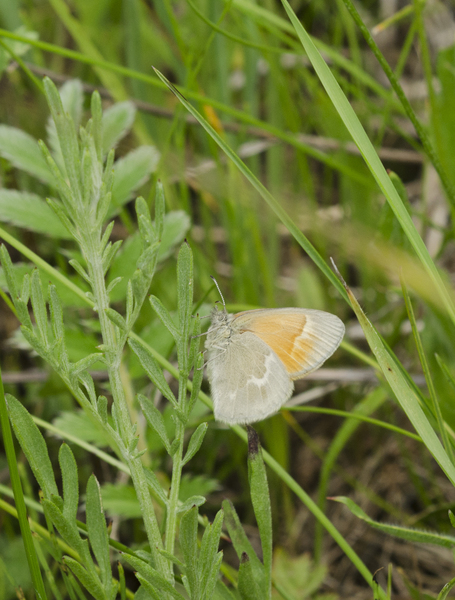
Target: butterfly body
<point x="254" y="356"/>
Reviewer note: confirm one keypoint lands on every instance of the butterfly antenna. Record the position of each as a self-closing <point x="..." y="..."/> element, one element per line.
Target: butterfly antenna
<point x="219" y="291"/>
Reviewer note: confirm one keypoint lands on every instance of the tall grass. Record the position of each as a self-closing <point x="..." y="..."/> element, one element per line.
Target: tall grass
<point x="275" y="149"/>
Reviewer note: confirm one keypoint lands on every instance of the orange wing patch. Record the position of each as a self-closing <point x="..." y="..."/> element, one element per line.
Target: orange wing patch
<point x="302" y="339"/>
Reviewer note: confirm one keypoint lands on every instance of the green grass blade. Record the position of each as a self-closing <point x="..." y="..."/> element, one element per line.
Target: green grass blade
<point x="428" y="378"/>
<point x="261" y="189"/>
<point x="404" y="533"/>
<point x="404" y="393"/>
<point x="32" y="559"/>
<point x="371" y="157"/>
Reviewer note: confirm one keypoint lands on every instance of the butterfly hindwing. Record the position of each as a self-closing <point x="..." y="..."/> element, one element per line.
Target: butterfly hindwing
<point x="247" y="379"/>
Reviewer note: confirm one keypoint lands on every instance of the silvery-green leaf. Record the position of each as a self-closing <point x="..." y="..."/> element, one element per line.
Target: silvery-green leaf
<point x="31" y="212"/>
<point x="131" y="171"/>
<point x="116" y="123"/>
<point x="23" y="152"/>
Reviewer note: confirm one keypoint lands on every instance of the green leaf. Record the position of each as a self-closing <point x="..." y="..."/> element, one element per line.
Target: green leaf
<point x="56" y="313"/>
<point x="446" y="589"/>
<point x="240" y="542"/>
<point x="152" y="576"/>
<point x="109" y="254"/>
<point x="404" y="533"/>
<point x="247" y="586"/>
<point x="184" y="297"/>
<point x="9" y="273"/>
<point x="39" y="307"/>
<point x="70" y="482"/>
<point x="85" y="363"/>
<point x="213" y="576"/>
<point x="33" y="446"/>
<point x="116" y="318"/>
<point x="153" y="370"/>
<point x="88" y="580"/>
<point x="165" y="317"/>
<point x="188" y="545"/>
<point x="297" y="573"/>
<point x="117" y="121"/>
<point x="266" y="195"/>
<point x="69" y="532"/>
<point x="260" y="498"/>
<point x="154" y="419"/>
<point x="132" y="171"/>
<point x="144" y="220"/>
<point x="175" y="227"/>
<point x="452" y="518"/>
<point x="190" y="502"/>
<point x="97" y="530"/>
<point x="209" y="551"/>
<point x="198" y="374"/>
<point x="160" y="206"/>
<point x="405" y="395"/>
<point x="195" y="442"/>
<point x="155" y="486"/>
<point x="352" y="123"/>
<point x="22" y="151"/>
<point x="72" y="96"/>
<point x="32" y="212"/>
<point x="146" y="591"/>
<point x="68" y="140"/>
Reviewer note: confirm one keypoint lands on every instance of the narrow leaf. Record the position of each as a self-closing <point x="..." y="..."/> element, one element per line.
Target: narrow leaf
<point x="154" y="419"/>
<point x="165" y="317"/>
<point x="352" y="123"/>
<point x="195" y="442"/>
<point x="209" y="548"/>
<point x="116" y="318"/>
<point x="247" y="586"/>
<point x="39" y="307"/>
<point x="405" y="395"/>
<point x="8" y="270"/>
<point x="188" y="545"/>
<point x="404" y="533"/>
<point x="160" y="206"/>
<point x="80" y="269"/>
<point x="88" y="580"/>
<point x="240" y="541"/>
<point x="185" y="289"/>
<point x="33" y="446"/>
<point x="69" y="532"/>
<point x="156" y="487"/>
<point x="70" y="482"/>
<point x="260" y="498"/>
<point x="190" y="502"/>
<point x="152" y="369"/>
<point x="97" y="530"/>
<point x="152" y="576"/>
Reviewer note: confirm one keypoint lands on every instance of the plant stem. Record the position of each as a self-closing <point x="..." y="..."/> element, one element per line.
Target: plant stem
<point x="171" y="521"/>
<point x="93" y="256"/>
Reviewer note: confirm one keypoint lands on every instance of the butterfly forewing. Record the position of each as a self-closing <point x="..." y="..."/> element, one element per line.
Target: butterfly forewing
<point x="302" y="338"/>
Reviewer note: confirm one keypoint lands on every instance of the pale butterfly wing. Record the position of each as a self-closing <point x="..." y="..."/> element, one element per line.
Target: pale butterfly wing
<point x="302" y="338"/>
<point x="248" y="380"/>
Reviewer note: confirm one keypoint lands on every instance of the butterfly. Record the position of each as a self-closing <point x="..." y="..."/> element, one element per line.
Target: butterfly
<point x="254" y="357"/>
